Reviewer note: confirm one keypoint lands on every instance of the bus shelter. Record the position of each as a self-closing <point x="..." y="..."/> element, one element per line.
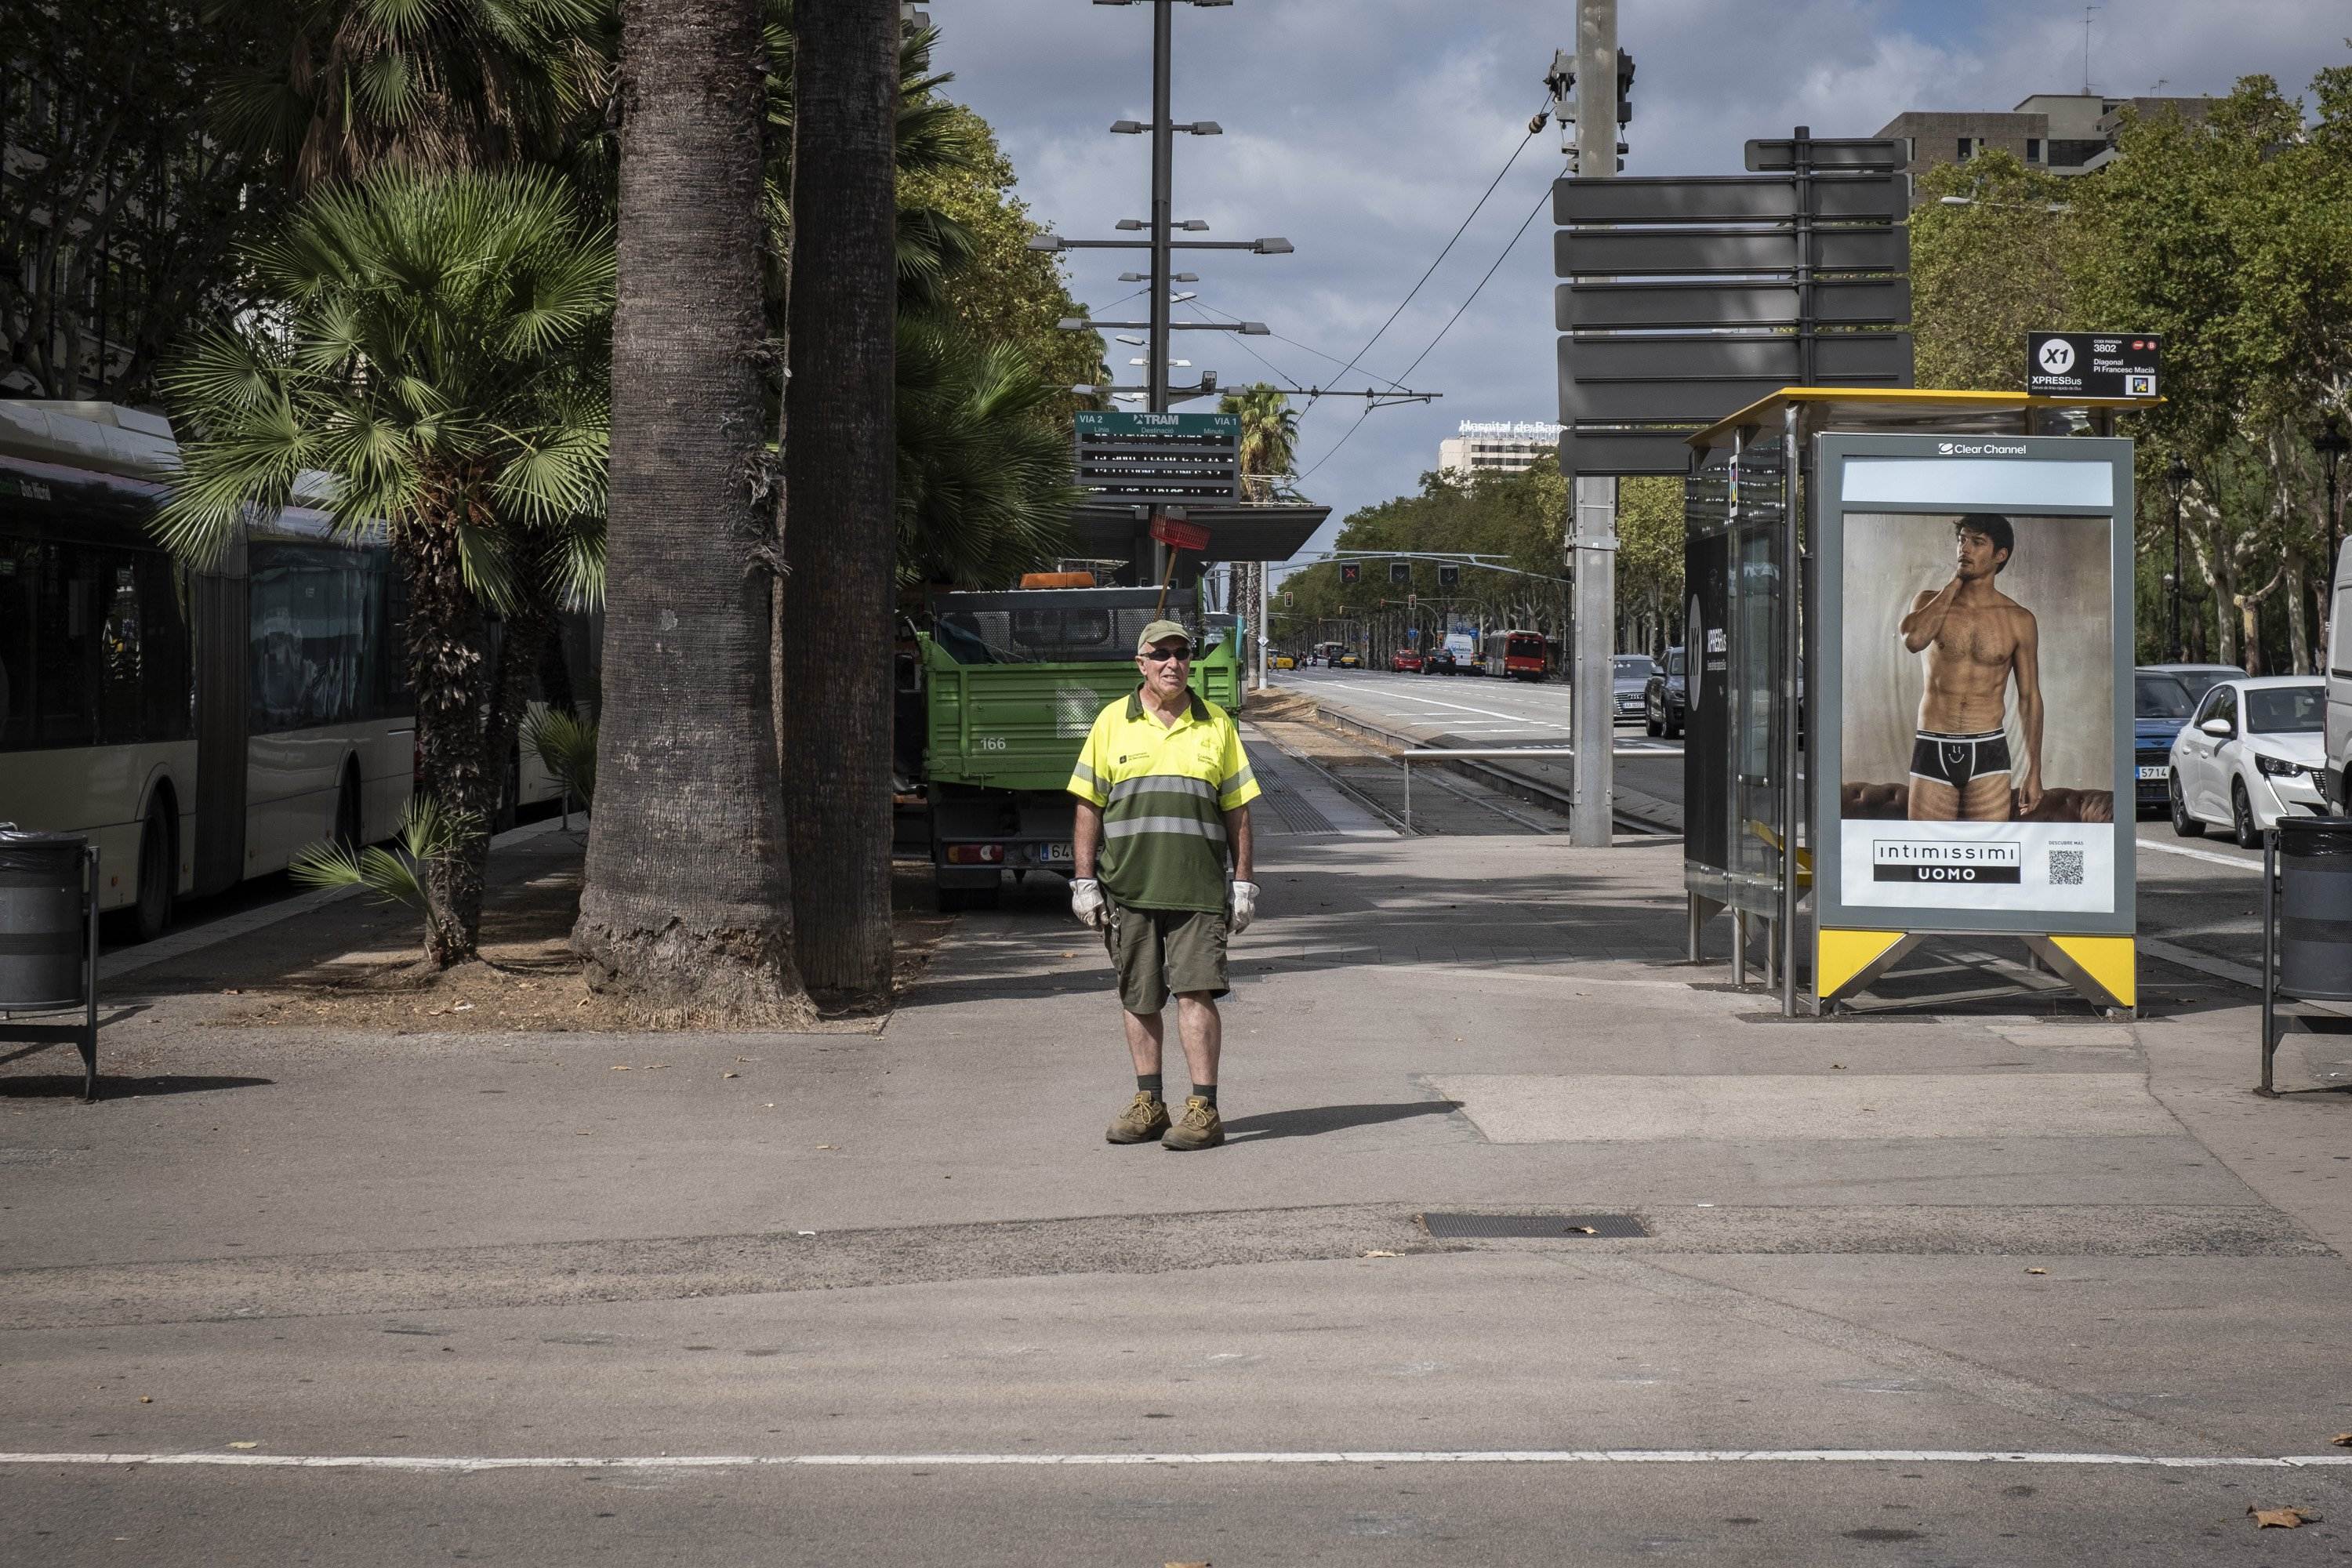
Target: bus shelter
<point x="1851" y="793"/>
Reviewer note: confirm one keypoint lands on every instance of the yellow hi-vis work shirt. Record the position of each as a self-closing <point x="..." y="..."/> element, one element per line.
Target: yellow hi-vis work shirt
<point x="1164" y="789"/>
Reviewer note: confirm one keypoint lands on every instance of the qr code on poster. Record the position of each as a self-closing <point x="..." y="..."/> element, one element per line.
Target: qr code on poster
<point x="2065" y="867"/>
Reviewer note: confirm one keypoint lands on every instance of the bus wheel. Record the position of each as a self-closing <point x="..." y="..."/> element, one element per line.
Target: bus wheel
<point x="509" y="795"/>
<point x="153" y="907"/>
<point x="347" y="810"/>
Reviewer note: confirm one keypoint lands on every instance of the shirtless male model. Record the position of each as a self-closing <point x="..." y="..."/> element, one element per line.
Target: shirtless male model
<point x="1976" y="638"/>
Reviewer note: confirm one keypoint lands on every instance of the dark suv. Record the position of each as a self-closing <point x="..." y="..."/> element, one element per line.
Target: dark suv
<point x="1666" y="700"/>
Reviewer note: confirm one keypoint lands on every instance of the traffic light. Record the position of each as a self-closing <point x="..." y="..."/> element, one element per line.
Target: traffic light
<point x="1449" y="575"/>
<point x="1624" y="87"/>
<point x="1350" y="572"/>
<point x="1401" y="572"/>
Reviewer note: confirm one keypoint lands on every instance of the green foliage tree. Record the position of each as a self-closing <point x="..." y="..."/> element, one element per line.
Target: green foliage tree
<point x="106" y="105"/>
<point x="983" y="486"/>
<point x="1003" y="291"/>
<point x="442" y="351"/>
<point x="1985" y="274"/>
<point x="328" y="90"/>
<point x="1514" y="517"/>
<point x="2233" y="238"/>
<point x="1521" y="518"/>
<point x="1649" y="564"/>
<point x="1269" y="436"/>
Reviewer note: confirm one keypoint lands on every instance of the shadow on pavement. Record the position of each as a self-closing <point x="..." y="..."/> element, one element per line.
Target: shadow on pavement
<point x="1313" y="1119"/>
<point x="62" y="1086"/>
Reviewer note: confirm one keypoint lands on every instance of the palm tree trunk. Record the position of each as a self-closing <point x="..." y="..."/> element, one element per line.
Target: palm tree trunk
<point x="687" y="907"/>
<point x="446" y="637"/>
<point x="839" y="470"/>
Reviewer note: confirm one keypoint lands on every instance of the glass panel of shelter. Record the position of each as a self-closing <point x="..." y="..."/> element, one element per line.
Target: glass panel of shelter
<point x="1753" y="785"/>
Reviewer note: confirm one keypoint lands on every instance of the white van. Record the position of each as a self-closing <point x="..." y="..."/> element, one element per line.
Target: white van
<point x="2338" y="777"/>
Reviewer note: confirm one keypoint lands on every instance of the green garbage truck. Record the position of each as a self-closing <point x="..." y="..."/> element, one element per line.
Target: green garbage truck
<point x="996" y="701"/>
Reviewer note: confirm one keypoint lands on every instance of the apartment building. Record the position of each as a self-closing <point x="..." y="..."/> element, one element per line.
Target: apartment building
<point x="2064" y="132"/>
<point x="1497" y="446"/>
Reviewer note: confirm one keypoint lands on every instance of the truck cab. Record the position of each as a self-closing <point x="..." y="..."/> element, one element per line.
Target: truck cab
<point x="1010" y="685"/>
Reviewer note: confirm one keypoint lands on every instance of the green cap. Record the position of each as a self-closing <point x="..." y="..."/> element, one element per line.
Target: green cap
<point x="1159" y="631"/>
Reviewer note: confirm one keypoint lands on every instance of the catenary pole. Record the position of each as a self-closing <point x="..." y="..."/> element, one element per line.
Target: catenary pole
<point x="1264" y="612"/>
<point x="1163" y="161"/>
<point x="1592" y="719"/>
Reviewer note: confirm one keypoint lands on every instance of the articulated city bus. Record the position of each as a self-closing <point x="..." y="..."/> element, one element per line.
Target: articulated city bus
<point x="1519" y="655"/>
<point x="199" y="726"/>
<point x="203" y="726"/>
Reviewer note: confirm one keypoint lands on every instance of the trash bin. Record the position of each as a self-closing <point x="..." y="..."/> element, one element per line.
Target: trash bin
<point x="42" y="901"/>
<point x="2315" y="913"/>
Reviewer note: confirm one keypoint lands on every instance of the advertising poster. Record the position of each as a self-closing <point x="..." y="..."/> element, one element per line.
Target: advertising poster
<point x="1979" y="761"/>
<point x="1976" y="618"/>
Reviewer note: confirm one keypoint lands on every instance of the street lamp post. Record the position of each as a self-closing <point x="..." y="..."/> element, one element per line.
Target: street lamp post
<point x="2177" y="473"/>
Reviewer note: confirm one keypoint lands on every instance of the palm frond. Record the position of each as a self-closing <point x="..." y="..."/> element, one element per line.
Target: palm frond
<point x="565" y="745"/>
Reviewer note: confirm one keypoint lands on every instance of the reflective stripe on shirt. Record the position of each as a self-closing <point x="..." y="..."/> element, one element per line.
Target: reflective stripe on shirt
<point x="1129" y="826"/>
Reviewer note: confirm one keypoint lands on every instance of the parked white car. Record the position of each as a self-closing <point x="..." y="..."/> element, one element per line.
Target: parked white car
<point x="2251" y="754"/>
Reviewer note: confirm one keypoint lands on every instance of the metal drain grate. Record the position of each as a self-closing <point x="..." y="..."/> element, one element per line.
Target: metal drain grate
<point x="1575" y="1226"/>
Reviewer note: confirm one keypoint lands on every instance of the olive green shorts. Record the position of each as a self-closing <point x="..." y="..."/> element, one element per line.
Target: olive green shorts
<point x="1162" y="952"/>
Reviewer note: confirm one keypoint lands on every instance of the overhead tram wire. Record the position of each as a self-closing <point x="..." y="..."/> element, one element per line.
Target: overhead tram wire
<point x="1516" y="237"/>
<point x="1199" y="304"/>
<point x="1540" y="202"/>
<point x="1535" y="127"/>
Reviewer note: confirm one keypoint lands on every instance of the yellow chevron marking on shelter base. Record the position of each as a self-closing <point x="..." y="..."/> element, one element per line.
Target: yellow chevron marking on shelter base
<point x="2111" y="962"/>
<point x="1840" y="955"/>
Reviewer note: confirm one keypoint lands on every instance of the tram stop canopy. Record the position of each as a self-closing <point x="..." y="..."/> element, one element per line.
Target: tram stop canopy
<point x="1762" y="828"/>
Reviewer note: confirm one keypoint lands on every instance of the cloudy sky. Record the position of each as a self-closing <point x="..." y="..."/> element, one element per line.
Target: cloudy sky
<point x="1363" y="131"/>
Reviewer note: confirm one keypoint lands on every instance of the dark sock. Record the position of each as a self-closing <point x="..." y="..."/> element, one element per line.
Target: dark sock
<point x="1148" y="1083"/>
<point x="1207" y="1092"/>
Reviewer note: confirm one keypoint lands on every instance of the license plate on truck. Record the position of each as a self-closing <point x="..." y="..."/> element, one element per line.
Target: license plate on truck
<point x="1058" y="854"/>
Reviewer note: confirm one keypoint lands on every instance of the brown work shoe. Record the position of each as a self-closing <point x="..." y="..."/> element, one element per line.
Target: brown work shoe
<point x="1199" y="1128"/>
<point x="1144" y="1118"/>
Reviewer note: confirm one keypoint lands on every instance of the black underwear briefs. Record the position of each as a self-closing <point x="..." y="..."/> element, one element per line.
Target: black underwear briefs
<point x="1955" y="759"/>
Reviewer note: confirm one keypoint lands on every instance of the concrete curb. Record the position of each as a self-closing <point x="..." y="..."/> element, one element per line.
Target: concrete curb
<point x="178" y="944"/>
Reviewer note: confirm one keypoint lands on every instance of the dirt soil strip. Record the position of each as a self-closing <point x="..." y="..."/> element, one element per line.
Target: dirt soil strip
<point x="352" y="965"/>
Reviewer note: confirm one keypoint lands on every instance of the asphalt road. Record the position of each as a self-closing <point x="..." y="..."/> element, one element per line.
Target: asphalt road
<point x="1918" y="1291"/>
<point x="2198" y="895"/>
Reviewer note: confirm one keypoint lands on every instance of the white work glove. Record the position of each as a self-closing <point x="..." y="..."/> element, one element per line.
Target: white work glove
<point x="1245" y="901"/>
<point x="1087" y="902"/>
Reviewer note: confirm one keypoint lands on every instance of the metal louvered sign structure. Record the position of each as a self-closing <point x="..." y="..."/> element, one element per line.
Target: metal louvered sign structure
<point x="1160" y="459"/>
<point x="1685" y="300"/>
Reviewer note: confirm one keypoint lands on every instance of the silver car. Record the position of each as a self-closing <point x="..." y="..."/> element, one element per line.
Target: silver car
<point x="1630" y="683"/>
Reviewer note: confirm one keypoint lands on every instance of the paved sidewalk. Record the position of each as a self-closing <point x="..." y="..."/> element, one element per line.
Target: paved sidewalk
<point x="2031" y="1230"/>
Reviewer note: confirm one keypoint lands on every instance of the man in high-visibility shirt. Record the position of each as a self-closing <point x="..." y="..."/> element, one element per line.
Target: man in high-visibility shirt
<point x="1163" y="790"/>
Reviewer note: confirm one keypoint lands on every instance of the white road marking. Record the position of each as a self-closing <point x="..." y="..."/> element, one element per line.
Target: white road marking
<point x="441" y="1463"/>
<point x="2254" y="866"/>
<point x="1464" y="708"/>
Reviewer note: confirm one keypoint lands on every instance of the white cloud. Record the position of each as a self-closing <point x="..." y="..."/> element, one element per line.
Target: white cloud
<point x="1363" y="130"/>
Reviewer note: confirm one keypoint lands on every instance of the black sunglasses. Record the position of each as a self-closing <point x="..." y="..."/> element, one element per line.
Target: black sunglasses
<point x="1161" y="656"/>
